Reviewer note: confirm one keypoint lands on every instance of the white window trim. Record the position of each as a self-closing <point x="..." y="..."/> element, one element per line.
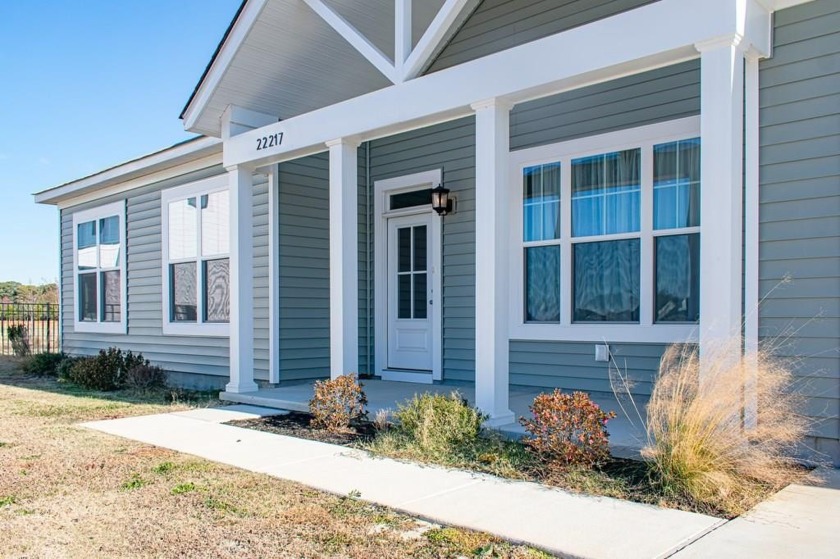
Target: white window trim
<point x="95" y="214"/>
<point x="383" y="189"/>
<point x="646" y="331"/>
<point x="205" y="186"/>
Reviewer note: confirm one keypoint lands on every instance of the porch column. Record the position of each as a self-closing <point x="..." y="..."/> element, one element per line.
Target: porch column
<point x="492" y="140"/>
<point x="241" y="280"/>
<point x="721" y="130"/>
<point x="344" y="257"/>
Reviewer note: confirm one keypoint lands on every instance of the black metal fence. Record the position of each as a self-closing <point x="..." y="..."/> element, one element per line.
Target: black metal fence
<point x="34" y="328"/>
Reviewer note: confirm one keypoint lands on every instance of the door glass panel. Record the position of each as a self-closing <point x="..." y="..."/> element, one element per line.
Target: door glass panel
<point x="420" y="301"/>
<point x="404" y="249"/>
<point x="404" y="296"/>
<point x="420" y="248"/>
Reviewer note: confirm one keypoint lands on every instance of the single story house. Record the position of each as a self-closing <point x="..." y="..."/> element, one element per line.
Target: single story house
<point x="501" y="193"/>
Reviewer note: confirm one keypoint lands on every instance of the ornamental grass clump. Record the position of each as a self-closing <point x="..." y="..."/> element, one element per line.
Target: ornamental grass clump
<point x="707" y="443"/>
<point x="338" y="403"/>
<point x="438" y="424"/>
<point x="568" y="430"/>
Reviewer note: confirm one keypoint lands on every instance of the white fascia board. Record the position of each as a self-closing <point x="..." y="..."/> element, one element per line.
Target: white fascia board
<point x="355" y="38"/>
<point x="176" y="156"/>
<point x="540" y="71"/>
<point x="438" y="31"/>
<point x="238" y="34"/>
<point x="783" y="4"/>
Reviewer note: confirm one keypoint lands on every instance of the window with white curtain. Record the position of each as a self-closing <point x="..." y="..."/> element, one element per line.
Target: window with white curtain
<point x="608" y="233"/>
<point x="196" y="261"/>
<point x="99" y="264"/>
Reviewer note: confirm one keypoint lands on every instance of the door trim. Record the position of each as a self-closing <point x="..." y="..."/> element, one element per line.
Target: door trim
<point x="383" y="189"/>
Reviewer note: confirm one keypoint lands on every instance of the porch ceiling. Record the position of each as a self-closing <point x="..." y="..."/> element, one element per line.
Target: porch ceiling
<point x="291" y="62"/>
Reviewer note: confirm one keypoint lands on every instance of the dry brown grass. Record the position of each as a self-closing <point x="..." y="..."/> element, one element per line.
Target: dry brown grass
<point x="699" y="447"/>
<point x="69" y="492"/>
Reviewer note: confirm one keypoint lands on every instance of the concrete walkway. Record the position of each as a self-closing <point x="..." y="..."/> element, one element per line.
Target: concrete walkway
<point x="551" y="519"/>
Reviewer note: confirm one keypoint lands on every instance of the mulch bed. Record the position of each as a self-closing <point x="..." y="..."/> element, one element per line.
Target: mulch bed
<point x="297" y="424"/>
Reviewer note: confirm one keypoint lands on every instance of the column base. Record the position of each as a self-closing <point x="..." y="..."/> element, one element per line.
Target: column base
<point x="239" y="388"/>
<point x="497" y="420"/>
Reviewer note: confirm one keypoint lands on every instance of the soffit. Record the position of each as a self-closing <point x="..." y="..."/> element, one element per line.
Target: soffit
<point x="291" y="62"/>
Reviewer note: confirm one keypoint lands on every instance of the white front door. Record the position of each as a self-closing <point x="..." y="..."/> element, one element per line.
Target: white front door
<point x="410" y="297"/>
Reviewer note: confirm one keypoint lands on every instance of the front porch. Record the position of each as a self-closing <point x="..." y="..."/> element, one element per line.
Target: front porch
<point x="627" y="435"/>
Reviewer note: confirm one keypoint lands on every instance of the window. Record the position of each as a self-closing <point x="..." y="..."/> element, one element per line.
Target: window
<point x="99" y="263"/>
<point x="607" y="230"/>
<point x="196" y="262"/>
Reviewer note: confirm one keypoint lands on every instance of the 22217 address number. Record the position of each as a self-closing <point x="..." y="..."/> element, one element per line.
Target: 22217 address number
<point x="269" y="141"/>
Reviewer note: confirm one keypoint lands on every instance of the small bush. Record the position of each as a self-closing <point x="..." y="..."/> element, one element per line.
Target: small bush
<point x="699" y="447"/>
<point x="109" y="370"/>
<point x="18" y="335"/>
<point x="337" y="403"/>
<point x="43" y="363"/>
<point x="64" y="370"/>
<point x="568" y="430"/>
<point x="438" y="424"/>
<point x="145" y="377"/>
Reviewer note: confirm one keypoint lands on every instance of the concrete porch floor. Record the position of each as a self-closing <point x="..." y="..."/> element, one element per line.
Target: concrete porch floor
<point x="627" y="434"/>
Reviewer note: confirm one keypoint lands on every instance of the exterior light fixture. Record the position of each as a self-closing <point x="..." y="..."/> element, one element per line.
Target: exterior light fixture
<point x="441" y="202"/>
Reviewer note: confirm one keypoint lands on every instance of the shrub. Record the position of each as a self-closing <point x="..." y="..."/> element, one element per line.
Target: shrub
<point x="18" y="335"/>
<point x="64" y="370"/>
<point x="439" y="424"/>
<point x="699" y="448"/>
<point x="95" y="373"/>
<point x="145" y="377"/>
<point x="568" y="430"/>
<point x="109" y="370"/>
<point x="43" y="363"/>
<point x="337" y="403"/>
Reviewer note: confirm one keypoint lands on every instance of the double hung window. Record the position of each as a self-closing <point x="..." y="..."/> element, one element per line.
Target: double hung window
<point x="99" y="264"/>
<point x="607" y="232"/>
<point x="196" y="262"/>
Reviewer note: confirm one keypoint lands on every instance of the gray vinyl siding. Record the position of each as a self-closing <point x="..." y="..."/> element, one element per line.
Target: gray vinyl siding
<point x="572" y="365"/>
<point x="497" y="25"/>
<point x="180" y="354"/>
<point x="648" y="98"/>
<point x="304" y="283"/>
<point x="800" y="203"/>
<point x="451" y="147"/>
<point x="656" y="96"/>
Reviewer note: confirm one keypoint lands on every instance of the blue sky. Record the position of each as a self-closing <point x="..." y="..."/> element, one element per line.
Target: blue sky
<point x="85" y="85"/>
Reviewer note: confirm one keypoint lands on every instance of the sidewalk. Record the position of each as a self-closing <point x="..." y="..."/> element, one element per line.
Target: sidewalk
<point x="550" y="519"/>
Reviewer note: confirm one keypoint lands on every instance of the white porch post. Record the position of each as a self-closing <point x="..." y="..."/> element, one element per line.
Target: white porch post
<point x="492" y="137"/>
<point x="344" y="258"/>
<point x="721" y="122"/>
<point x="241" y="280"/>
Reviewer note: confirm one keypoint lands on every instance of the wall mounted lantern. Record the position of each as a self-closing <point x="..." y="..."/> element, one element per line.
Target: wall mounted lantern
<point x="441" y="202"/>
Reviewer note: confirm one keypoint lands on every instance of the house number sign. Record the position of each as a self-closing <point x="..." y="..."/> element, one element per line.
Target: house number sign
<point x="270" y="141"/>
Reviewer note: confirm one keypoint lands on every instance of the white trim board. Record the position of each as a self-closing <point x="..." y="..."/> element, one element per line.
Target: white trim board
<point x="382" y="189"/>
<point x="420" y="102"/>
<point x="134" y="174"/>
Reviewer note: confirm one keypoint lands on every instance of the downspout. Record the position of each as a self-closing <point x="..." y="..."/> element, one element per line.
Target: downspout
<point x="369" y="250"/>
